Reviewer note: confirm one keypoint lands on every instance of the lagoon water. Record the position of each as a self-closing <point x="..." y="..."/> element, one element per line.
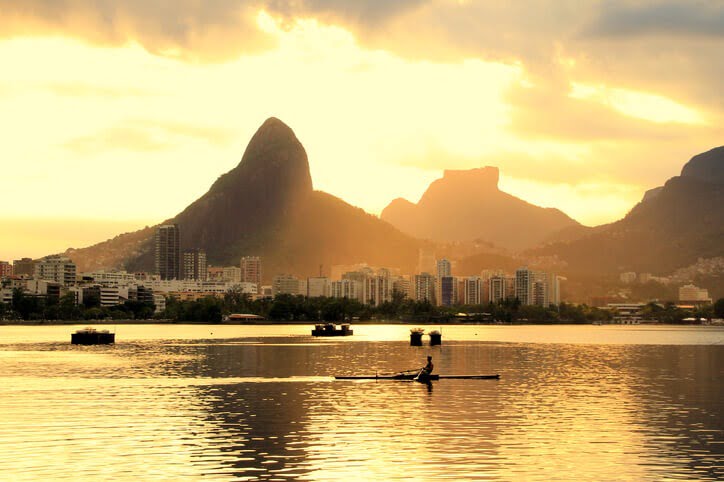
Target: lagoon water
<point x="175" y="402"/>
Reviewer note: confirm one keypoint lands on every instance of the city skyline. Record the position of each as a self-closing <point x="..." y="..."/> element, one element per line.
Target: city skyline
<point x="572" y="106"/>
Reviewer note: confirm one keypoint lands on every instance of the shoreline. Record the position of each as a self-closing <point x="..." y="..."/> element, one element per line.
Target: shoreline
<point x="312" y="323"/>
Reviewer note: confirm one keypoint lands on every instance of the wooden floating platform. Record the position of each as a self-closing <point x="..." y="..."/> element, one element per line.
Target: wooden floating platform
<point x="331" y="330"/>
<point x="412" y="376"/>
<point x="91" y="336"/>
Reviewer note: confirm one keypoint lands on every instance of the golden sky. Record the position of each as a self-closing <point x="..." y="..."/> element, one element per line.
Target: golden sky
<point x="126" y="112"/>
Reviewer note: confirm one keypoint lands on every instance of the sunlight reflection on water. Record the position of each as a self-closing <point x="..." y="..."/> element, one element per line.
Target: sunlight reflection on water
<point x="265" y="406"/>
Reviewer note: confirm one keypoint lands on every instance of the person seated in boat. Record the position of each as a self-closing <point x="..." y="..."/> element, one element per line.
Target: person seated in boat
<point x="427" y="369"/>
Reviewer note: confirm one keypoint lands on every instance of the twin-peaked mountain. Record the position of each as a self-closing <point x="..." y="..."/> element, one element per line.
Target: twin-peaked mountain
<point x="467" y="205"/>
<point x="266" y="206"/>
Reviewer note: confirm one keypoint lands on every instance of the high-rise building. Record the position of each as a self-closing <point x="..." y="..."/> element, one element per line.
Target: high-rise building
<point x="251" y="269"/>
<point x="378" y="289"/>
<point x="497" y="289"/>
<point x="402" y="286"/>
<point x="425" y="287"/>
<point x="360" y="276"/>
<point x="24" y="266"/>
<point x="448" y="290"/>
<point x="539" y="290"/>
<point x="194" y="264"/>
<point x="58" y="269"/>
<point x="167" y="259"/>
<point x="554" y="288"/>
<point x="6" y="269"/>
<point x="443" y="268"/>
<point x="524" y="286"/>
<point x="472" y="289"/>
<point x="426" y="261"/>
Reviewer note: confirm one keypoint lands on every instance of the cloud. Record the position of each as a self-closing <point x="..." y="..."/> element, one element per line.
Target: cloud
<point x="549" y="112"/>
<point x="692" y="18"/>
<point x="188" y="29"/>
<point x="672" y="48"/>
<point x="145" y="136"/>
<point x="70" y="89"/>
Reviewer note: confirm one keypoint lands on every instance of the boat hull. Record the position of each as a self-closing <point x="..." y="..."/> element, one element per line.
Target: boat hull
<point x="413" y="376"/>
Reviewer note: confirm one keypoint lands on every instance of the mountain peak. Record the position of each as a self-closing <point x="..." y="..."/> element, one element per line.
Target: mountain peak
<point x="466" y="204"/>
<point x="275" y="151"/>
<point x="707" y="166"/>
<point x="481" y="178"/>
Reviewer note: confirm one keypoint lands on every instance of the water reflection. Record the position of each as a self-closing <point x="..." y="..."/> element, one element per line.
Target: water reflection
<point x="267" y="407"/>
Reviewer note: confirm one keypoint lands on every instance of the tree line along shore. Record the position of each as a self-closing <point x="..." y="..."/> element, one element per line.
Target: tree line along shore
<point x="26" y="309"/>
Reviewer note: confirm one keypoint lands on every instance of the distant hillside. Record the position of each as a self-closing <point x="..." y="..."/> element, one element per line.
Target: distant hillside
<point x="671" y="228"/>
<point x="466" y="205"/>
<point x="266" y="206"/>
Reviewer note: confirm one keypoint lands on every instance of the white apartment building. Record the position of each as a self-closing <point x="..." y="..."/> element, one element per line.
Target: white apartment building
<point x="425" y="287"/>
<point x="347" y="288"/>
<point x="378" y="290"/>
<point x="472" y="290"/>
<point x="497" y="291"/>
<point x="58" y="269"/>
<point x="318" y="287"/>
<point x="694" y="293"/>
<point x="111" y="278"/>
<point x="285" y="284"/>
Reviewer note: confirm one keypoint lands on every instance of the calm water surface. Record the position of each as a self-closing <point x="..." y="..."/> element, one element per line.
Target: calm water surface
<point x="259" y="403"/>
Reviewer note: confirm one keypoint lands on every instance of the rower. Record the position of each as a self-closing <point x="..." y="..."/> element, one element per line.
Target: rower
<point x="426" y="371"/>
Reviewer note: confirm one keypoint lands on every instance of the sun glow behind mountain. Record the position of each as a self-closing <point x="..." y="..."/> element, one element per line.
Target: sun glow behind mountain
<point x="133" y="125"/>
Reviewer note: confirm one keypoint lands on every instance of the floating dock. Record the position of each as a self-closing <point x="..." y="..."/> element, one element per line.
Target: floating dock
<point x="91" y="336"/>
<point x="330" y="329"/>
